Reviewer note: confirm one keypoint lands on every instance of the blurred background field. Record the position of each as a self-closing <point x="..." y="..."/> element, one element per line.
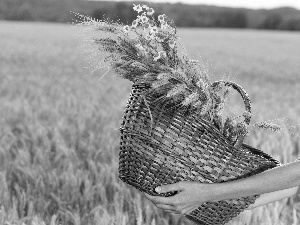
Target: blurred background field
<point x="59" y="134"/>
<point x="202" y="14"/>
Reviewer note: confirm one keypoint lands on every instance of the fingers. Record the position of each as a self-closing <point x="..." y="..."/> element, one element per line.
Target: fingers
<point x="160" y="200"/>
<point x="165" y="207"/>
<point x="183" y="209"/>
<point x="173" y="212"/>
<point x="176" y="210"/>
<point x="189" y="209"/>
<point x="149" y="197"/>
<point x="168" y="208"/>
<point x="179" y="186"/>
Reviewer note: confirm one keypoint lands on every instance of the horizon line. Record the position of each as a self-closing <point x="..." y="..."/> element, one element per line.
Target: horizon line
<point x="194" y="4"/>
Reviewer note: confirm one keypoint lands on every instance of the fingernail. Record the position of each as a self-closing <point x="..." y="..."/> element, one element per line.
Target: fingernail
<point x="158" y="189"/>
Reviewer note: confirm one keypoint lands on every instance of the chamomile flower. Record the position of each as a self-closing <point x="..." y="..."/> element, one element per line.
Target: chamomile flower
<point x="144" y="19"/>
<point x="135" y="23"/>
<point x="153" y="29"/>
<point x="137" y="8"/>
<point x="150" y="11"/>
<point x="164" y="25"/>
<point x="160" y="39"/>
<point x="161" y="18"/>
<point x="147" y="25"/>
<point x="126" y="28"/>
<point x="149" y="37"/>
<point x="172" y="43"/>
<point x="145" y="7"/>
<point x="156" y="56"/>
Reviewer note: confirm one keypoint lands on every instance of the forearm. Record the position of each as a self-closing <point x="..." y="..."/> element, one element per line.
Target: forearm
<point x="283" y="177"/>
<point x="273" y="196"/>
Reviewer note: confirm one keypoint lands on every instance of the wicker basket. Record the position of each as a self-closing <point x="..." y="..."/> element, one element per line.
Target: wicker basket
<point x="171" y="146"/>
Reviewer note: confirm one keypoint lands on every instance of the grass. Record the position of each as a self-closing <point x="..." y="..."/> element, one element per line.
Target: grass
<point x="59" y="134"/>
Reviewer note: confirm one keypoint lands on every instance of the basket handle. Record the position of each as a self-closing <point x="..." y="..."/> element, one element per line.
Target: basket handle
<point x="247" y="103"/>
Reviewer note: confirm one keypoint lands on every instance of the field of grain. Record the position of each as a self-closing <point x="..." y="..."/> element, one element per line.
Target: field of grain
<point x="59" y="132"/>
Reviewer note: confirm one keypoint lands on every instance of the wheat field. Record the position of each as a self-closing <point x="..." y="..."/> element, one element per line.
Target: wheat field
<point x="59" y="134"/>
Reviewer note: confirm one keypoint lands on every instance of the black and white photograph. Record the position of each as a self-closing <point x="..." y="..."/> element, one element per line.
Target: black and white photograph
<point x="159" y="112"/>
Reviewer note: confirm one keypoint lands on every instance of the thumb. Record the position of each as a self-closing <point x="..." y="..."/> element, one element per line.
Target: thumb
<point x="169" y="187"/>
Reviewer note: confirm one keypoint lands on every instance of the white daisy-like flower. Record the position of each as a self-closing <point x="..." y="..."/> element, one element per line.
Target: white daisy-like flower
<point x="126" y="28"/>
<point x="139" y="17"/>
<point x="144" y="19"/>
<point x="172" y="43"/>
<point x="149" y="37"/>
<point x="147" y="25"/>
<point x="159" y="39"/>
<point x="164" y="25"/>
<point x="156" y="56"/>
<point x="137" y="8"/>
<point x="150" y="11"/>
<point x="145" y="7"/>
<point x="153" y="29"/>
<point x="135" y="23"/>
<point x="161" y="18"/>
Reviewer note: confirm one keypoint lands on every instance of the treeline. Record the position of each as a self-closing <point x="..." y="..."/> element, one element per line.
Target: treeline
<point x="182" y="14"/>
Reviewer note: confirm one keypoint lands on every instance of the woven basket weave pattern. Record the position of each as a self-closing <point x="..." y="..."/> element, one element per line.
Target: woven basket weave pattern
<point x="183" y="148"/>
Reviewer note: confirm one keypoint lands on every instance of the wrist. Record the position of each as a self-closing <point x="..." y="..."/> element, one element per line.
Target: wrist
<point x="229" y="190"/>
<point x="217" y="192"/>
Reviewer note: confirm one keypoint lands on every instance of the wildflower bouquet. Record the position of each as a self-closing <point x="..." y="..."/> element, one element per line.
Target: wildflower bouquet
<point x="173" y="126"/>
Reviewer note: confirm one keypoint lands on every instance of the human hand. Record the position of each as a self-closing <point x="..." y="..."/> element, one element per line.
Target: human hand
<point x="191" y="194"/>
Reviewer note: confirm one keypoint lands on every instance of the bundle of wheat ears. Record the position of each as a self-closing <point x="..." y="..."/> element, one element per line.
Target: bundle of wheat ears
<point x="148" y="52"/>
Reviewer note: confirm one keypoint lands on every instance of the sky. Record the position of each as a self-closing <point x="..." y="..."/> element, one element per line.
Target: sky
<point x="253" y="4"/>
